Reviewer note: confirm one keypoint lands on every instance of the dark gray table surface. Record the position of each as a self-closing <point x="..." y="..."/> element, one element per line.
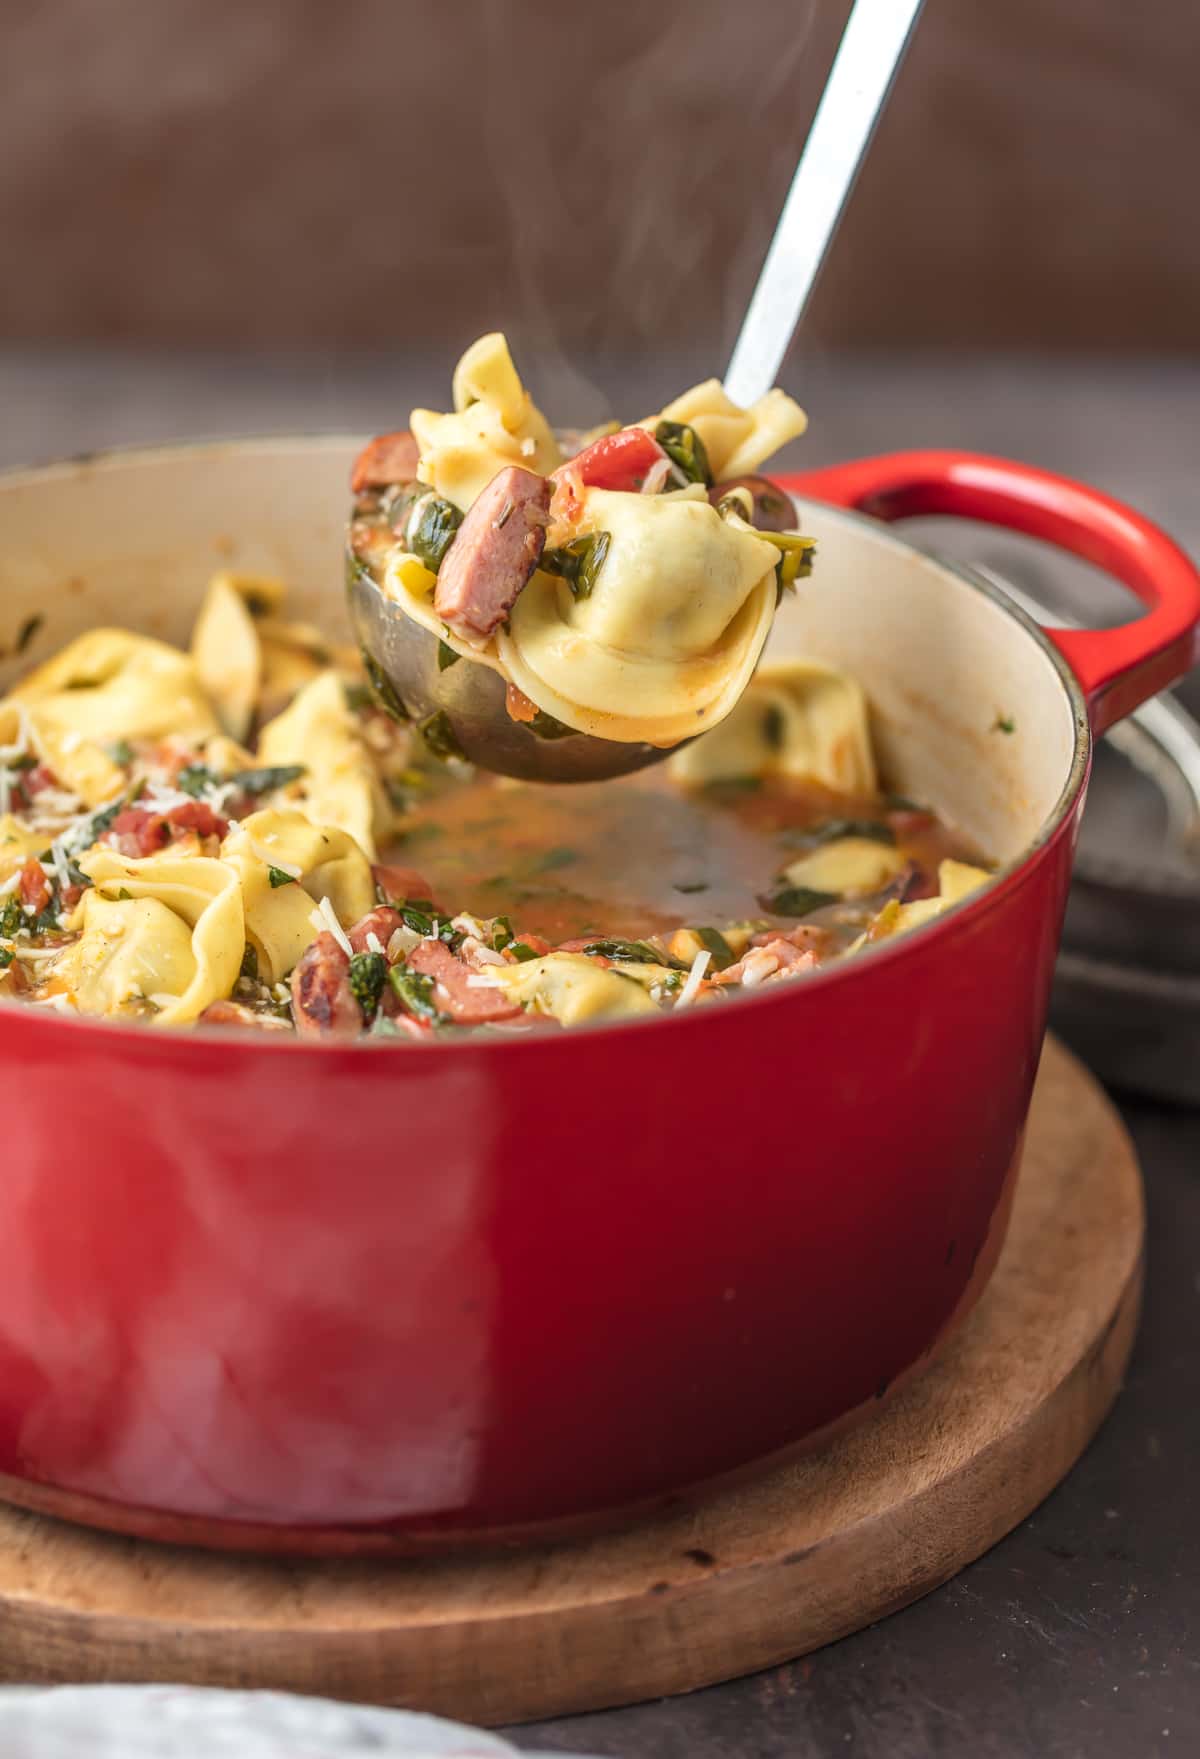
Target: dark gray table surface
<point x="1079" y="1634"/>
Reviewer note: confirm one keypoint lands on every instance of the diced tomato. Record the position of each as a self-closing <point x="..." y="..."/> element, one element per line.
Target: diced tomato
<point x="517" y="705"/>
<point x="136" y="832"/>
<point x="400" y="883"/>
<point x="536" y="944"/>
<point x="615" y="461"/>
<point x="34" y="889"/>
<point x="33" y="782"/>
<point x="197" y="816"/>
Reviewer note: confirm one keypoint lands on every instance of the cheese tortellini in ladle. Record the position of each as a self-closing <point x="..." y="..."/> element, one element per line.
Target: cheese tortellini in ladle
<point x="639" y="605"/>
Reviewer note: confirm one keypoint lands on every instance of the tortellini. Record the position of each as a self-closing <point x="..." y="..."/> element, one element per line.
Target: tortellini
<point x="166" y="929"/>
<point x="495" y="423"/>
<point x="681" y="599"/>
<point x="17" y="844"/>
<point x="737" y="440"/>
<point x="956" y="881"/>
<point x="797" y="718"/>
<point x="165" y="934"/>
<point x="846" y="866"/>
<point x="667" y="640"/>
<point x="573" y="988"/>
<point x="284" y="864"/>
<point x="105" y="686"/>
<point x="340" y="785"/>
<point x="227" y="655"/>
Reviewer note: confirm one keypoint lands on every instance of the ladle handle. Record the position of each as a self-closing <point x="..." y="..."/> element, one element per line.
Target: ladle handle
<point x="1118" y="668"/>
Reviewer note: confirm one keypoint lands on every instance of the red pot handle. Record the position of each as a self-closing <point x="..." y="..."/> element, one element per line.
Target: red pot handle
<point x="1118" y="668"/>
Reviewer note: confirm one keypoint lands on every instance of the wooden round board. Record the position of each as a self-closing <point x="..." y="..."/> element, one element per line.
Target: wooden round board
<point x="802" y="1554"/>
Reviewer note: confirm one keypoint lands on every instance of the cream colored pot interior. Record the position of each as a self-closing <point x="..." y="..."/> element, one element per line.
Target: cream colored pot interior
<point x="131" y="538"/>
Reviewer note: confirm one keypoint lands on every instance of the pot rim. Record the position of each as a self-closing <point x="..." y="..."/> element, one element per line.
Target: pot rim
<point x="973" y="908"/>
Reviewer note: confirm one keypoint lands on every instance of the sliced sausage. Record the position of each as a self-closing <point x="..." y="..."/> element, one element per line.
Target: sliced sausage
<point x="471" y="1004"/>
<point x="387" y="459"/>
<point x="778" y="957"/>
<point x="382" y="922"/>
<point x="323" y="1004"/>
<point x="495" y="550"/>
<point x="772" y="510"/>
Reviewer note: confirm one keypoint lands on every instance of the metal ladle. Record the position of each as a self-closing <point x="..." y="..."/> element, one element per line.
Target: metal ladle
<point x="469" y="699"/>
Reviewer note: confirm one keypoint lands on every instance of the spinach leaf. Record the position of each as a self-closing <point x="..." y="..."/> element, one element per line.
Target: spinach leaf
<point x="415" y="990"/>
<point x="579" y="562"/>
<point x="552" y="859"/>
<point x="432" y="527"/>
<point x="684" y="447"/>
<point x="367" y="974"/>
<point x="795" y="557"/>
<point x="798" y="900"/>
<point x="446" y="656"/>
<point x="385" y="692"/>
<point x="194" y="778"/>
<point x="264" y="781"/>
<point x="28" y="630"/>
<point x="831" y="829"/>
<point x="437" y="731"/>
<point x="634" y="953"/>
<point x="544" y="726"/>
<point x="715" y="943"/>
<point x="278" y="878"/>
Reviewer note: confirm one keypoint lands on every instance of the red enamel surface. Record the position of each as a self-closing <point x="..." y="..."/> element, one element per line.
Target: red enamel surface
<point x="1118" y="668"/>
<point x="490" y="1284"/>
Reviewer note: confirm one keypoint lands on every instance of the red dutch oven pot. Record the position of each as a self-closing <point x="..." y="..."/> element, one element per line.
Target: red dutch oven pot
<point x="283" y="1295"/>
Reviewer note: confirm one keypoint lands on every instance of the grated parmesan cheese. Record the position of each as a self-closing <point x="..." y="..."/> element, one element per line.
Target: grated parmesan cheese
<point x="269" y="860"/>
<point x="403" y="941"/>
<point x="475" y="952"/>
<point x="161" y="799"/>
<point x="62" y="871"/>
<point x="374" y="944"/>
<point x="325" y="917"/>
<point x="695" y="978"/>
<point x="477" y="980"/>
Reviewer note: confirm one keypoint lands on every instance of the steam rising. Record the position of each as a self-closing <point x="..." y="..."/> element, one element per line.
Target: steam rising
<point x="640" y="185"/>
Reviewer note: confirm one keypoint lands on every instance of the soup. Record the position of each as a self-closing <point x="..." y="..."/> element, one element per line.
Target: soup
<point x="245" y="835"/>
